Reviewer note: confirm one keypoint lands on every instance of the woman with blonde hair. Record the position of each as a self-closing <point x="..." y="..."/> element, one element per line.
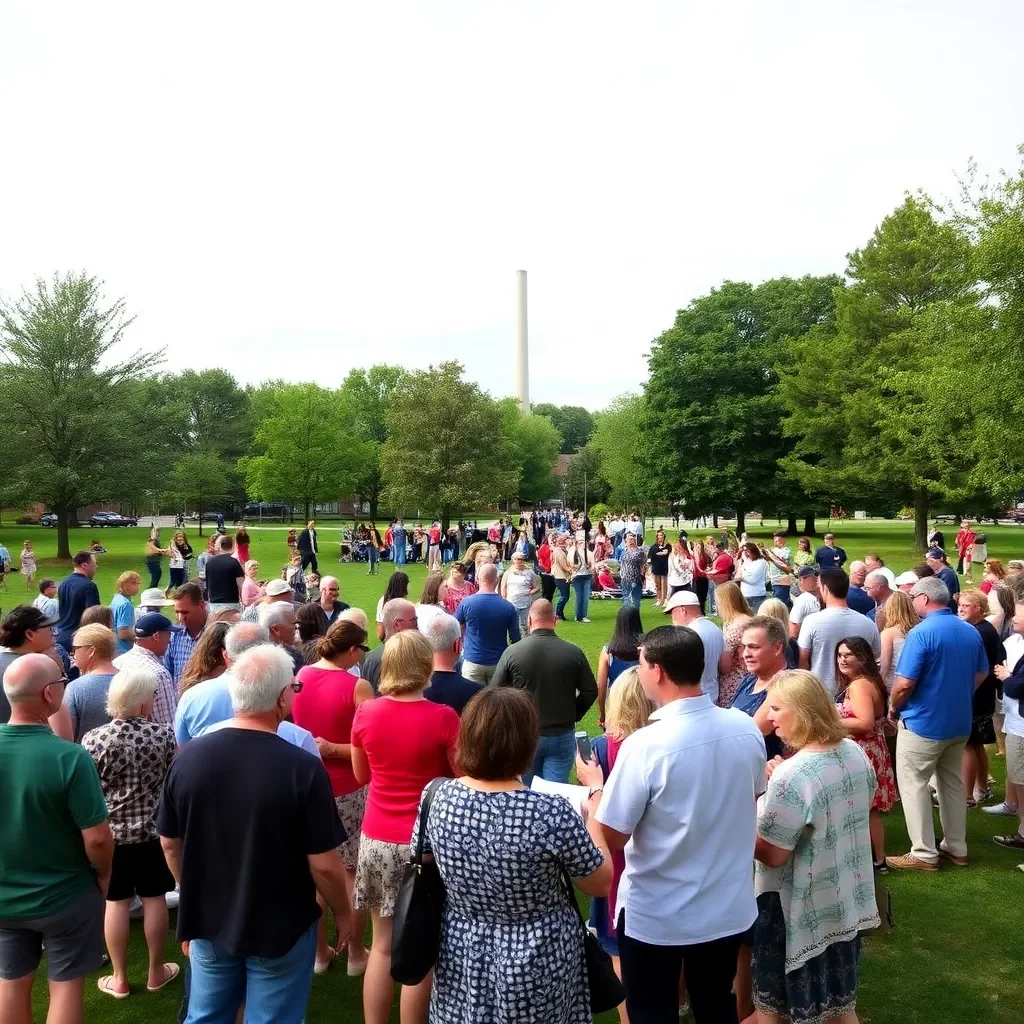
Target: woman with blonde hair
<point x="813" y="823"/>
<point x="900" y="619"/>
<point x="180" y="551"/>
<point x="207" y="659"/>
<point x="735" y="614"/>
<point x="776" y="609"/>
<point x="628" y="710"/>
<point x="251" y="589"/>
<point x="399" y="743"/>
<point x="455" y="587"/>
<point x="93" y="648"/>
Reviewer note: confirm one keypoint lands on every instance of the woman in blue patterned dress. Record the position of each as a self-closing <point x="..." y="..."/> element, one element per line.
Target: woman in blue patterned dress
<point x="511" y="943"/>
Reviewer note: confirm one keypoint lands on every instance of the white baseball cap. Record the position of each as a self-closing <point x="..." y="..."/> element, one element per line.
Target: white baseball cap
<point x="682" y="599"/>
<point x="906" y="577"/>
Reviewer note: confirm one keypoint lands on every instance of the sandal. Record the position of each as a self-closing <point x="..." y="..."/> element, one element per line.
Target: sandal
<point x="1011" y="842"/>
<point x="104" y="983"/>
<point x="171" y="971"/>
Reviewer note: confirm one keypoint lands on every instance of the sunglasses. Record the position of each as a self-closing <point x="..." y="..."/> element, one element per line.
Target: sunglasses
<point x="362" y="647"/>
<point x="79" y="647"/>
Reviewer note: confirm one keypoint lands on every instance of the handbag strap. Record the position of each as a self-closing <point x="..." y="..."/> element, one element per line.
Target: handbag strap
<point x="570" y="891"/>
<point x="428" y="799"/>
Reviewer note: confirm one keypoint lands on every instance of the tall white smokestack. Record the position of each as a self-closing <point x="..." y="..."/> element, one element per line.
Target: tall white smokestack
<point x="522" y="344"/>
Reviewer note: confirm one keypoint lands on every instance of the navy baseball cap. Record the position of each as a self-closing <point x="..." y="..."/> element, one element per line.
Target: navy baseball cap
<point x="152" y="623"/>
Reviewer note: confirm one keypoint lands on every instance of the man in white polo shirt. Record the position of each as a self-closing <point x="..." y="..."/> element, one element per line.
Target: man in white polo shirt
<point x="681" y="801"/>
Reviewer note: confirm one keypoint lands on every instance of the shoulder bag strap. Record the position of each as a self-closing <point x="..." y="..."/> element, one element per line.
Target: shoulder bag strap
<point x="570" y="891"/>
<point x="428" y="799"/>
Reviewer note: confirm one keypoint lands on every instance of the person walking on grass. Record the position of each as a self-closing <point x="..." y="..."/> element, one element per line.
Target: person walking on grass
<point x="28" y="564"/>
<point x="942" y="663"/>
<point x="132" y="756"/>
<point x="56" y="849"/>
<point x="307" y="546"/>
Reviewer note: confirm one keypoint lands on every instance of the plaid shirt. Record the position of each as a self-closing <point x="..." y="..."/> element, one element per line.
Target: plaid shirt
<point x="166" y="699"/>
<point x="132" y="756"/>
<point x="179" y="650"/>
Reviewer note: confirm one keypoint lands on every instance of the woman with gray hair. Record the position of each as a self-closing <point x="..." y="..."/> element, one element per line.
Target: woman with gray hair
<point x="132" y="755"/>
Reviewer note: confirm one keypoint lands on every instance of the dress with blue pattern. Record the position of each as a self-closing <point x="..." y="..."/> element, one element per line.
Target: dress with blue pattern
<point x="511" y="944"/>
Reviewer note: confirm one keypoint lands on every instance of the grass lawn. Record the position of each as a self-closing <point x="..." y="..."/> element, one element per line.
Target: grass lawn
<point x="955" y="952"/>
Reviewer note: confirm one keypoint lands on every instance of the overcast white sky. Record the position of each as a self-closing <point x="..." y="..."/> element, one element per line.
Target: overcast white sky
<point x="293" y="189"/>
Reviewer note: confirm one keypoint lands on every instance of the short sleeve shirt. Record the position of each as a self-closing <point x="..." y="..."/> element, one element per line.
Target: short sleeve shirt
<point x="821" y="633"/>
<point x="50" y="792"/>
<point x="123" y="612"/>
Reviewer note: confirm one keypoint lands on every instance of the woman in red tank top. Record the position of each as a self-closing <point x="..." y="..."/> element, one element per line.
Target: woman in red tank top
<point x="325" y="706"/>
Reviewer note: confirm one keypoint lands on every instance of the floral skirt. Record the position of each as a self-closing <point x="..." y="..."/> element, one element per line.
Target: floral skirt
<point x="379" y="874"/>
<point x="823" y="988"/>
<point x="351" y="808"/>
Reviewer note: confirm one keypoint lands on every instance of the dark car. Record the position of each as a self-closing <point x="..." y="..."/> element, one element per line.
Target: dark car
<point x="112" y="519"/>
<point x="48" y="519"/>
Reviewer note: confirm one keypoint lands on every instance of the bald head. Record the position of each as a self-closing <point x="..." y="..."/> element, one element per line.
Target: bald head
<point x="542" y="615"/>
<point x="399" y="614"/>
<point x="487" y="576"/>
<point x="30" y="685"/>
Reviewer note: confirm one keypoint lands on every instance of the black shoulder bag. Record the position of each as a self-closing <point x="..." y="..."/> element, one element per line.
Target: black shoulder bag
<point x="416" y="928"/>
<point x="606" y="991"/>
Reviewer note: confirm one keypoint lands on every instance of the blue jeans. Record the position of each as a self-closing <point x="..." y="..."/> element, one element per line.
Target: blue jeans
<point x="554" y="758"/>
<point x="581" y="588"/>
<point x="275" y="989"/>
<point x="712" y="606"/>
<point x="399" y="554"/>
<point x="755" y="602"/>
<point x="562" y="586"/>
<point x="632" y="593"/>
<point x="374" y="554"/>
<point x="783" y="593"/>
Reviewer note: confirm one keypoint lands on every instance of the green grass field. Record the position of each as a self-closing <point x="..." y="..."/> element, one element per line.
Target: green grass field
<point x="954" y="955"/>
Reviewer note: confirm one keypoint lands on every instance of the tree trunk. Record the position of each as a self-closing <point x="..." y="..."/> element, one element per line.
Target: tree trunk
<point x="374" y="500"/>
<point x="714" y="519"/>
<point x="200" y="513"/>
<point x="63" y="549"/>
<point x="810" y="530"/>
<point x="791" y="524"/>
<point x="305" y="506"/>
<point x="446" y="516"/>
<point x="921" y="518"/>
<point x="741" y="522"/>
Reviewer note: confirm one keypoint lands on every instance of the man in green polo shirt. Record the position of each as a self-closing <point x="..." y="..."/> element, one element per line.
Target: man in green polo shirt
<point x="55" y="850"/>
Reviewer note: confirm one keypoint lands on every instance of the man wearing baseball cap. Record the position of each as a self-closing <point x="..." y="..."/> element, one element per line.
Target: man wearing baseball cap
<point x="808" y="602"/>
<point x="905" y="581"/>
<point x="152" y="635"/>
<point x="684" y="607"/>
<point x="936" y="560"/>
<point x="276" y="590"/>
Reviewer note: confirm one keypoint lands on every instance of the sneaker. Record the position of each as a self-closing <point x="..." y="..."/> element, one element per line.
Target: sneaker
<point x="584" y="619"/>
<point x="1003" y="808"/>
<point x="881" y="867"/>
<point x="960" y="862"/>
<point x="908" y="862"/>
<point x="172" y="899"/>
<point x="1014" y="842"/>
<point x="1020" y="867"/>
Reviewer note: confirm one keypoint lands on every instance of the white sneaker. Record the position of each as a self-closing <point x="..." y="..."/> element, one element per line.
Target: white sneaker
<point x="584" y="620"/>
<point x="173" y="899"/>
<point x="1003" y="808"/>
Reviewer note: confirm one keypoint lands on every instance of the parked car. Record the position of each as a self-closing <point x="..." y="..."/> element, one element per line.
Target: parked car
<point x="112" y="519"/>
<point x="48" y="519"/>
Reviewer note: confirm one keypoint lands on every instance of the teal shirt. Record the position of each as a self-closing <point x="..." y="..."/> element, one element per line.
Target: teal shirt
<point x="49" y="792"/>
<point x="123" y="611"/>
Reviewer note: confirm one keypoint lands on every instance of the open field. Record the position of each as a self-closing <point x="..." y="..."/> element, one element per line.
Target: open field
<point x="955" y="953"/>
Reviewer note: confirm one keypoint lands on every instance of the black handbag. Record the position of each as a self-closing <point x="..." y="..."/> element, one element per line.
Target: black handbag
<point x="416" y="928"/>
<point x="606" y="991"/>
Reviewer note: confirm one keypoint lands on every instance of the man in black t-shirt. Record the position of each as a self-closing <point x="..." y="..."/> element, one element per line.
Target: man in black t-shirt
<point x="224" y="575"/>
<point x="250" y="831"/>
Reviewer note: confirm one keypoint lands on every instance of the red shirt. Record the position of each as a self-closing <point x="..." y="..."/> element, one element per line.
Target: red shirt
<point x="964" y="542"/>
<point x="723" y="565"/>
<point x="544" y="557"/>
<point x="435" y="535"/>
<point x="325" y="707"/>
<point x="406" y="743"/>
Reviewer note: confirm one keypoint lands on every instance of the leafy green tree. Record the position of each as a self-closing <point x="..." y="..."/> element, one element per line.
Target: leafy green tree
<point x="198" y="479"/>
<point x="302" y="449"/>
<point x="69" y="432"/>
<point x="861" y="398"/>
<point x="533" y="443"/>
<point x="622" y="443"/>
<point x="366" y="396"/>
<point x="584" y="483"/>
<point x="445" y="451"/>
<point x="714" y="418"/>
<point x="574" y="423"/>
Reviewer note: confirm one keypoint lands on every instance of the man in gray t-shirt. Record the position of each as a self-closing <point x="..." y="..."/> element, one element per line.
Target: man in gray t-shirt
<point x="684" y="607"/>
<point x="822" y="632"/>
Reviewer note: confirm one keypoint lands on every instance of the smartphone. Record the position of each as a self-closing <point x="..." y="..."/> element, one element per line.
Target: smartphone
<point x="583" y="745"/>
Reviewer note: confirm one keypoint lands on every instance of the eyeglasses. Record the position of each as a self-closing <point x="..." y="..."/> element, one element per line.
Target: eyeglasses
<point x="362" y="647"/>
<point x="295" y="687"/>
<point x="79" y="647"/>
<point x="63" y="681"/>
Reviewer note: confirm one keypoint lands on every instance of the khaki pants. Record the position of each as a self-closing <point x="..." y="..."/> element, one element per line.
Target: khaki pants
<point x="917" y="760"/>
<point x="478" y="673"/>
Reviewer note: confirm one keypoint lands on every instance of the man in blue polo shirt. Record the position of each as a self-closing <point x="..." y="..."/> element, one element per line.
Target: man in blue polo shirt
<point x="829" y="555"/>
<point x="942" y="662"/>
<point x="76" y="593"/>
<point x="490" y="624"/>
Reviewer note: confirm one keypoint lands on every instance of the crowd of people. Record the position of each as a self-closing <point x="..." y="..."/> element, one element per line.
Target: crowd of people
<point x="259" y="765"/>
